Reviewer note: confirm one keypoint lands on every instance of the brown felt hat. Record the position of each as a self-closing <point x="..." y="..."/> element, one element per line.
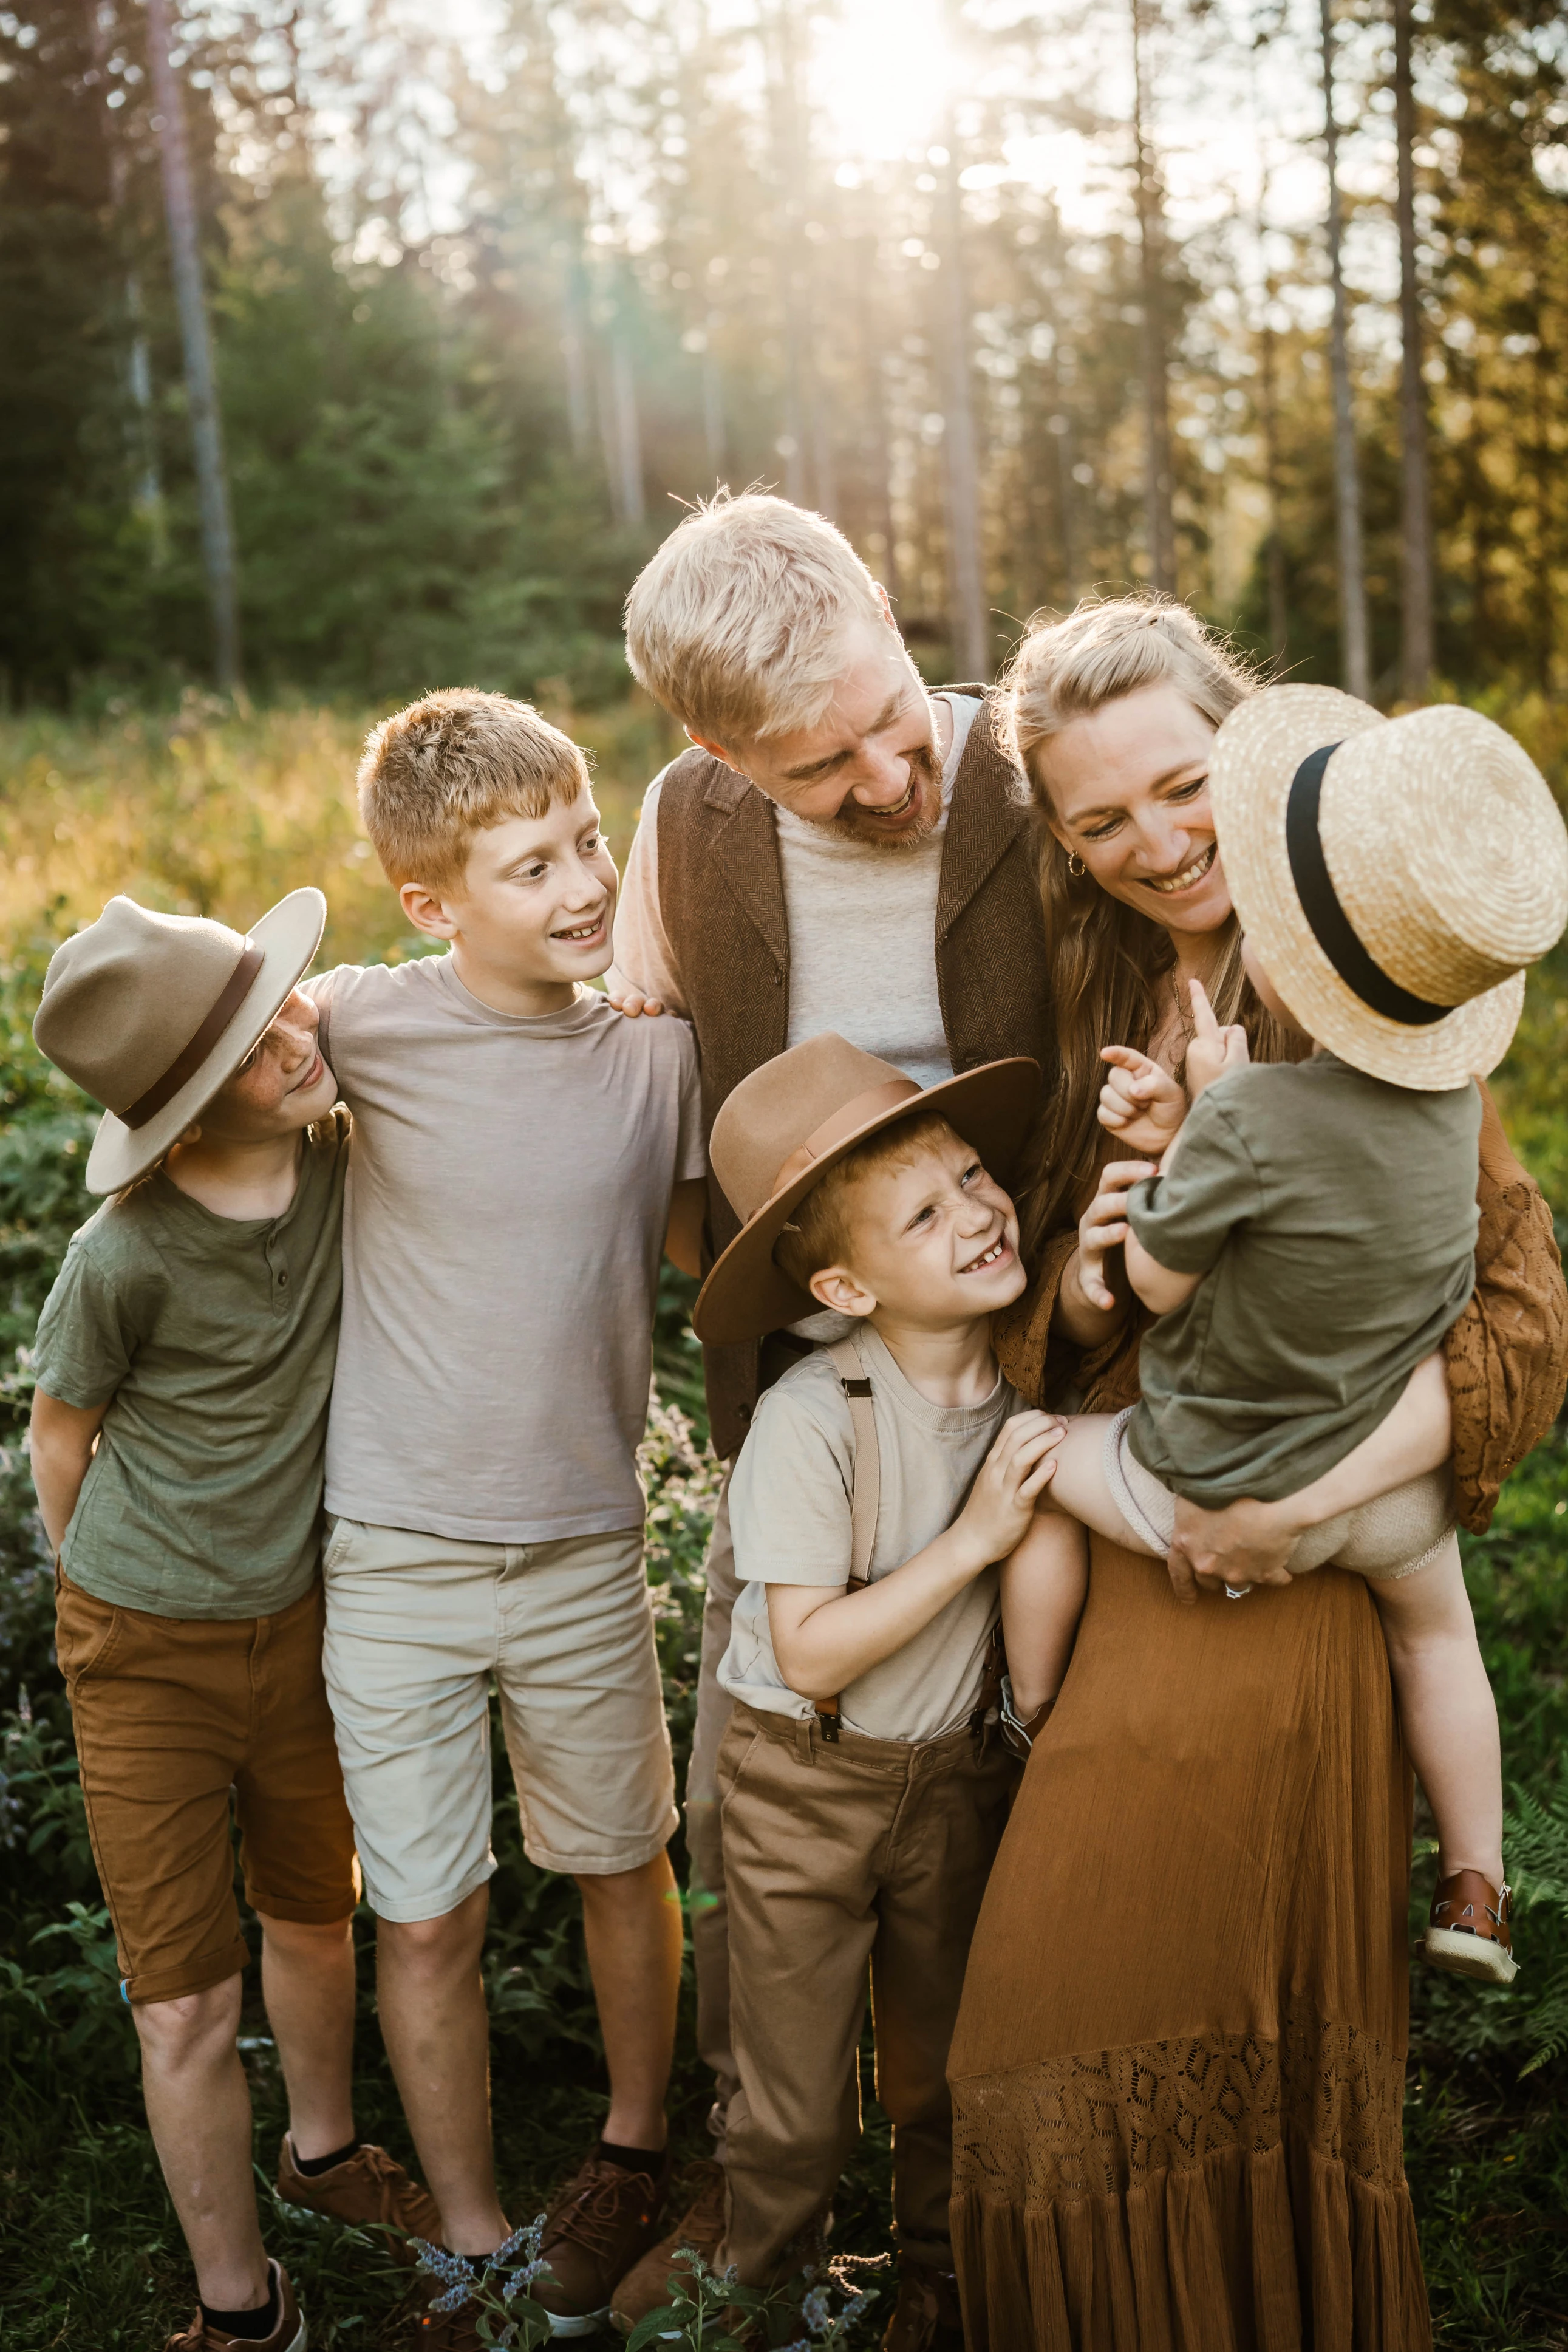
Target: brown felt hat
<point x="152" y="1013"/>
<point x="788" y="1123"/>
<point x="1395" y="875"/>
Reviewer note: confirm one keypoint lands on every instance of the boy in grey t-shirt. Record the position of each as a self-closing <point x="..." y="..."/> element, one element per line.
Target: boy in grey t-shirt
<point x="1307" y="1241"/>
<point x="865" y="1785"/>
<point x="522" y="1157"/>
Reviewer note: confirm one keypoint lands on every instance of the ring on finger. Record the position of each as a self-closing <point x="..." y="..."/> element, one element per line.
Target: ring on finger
<point x="1237" y="1591"/>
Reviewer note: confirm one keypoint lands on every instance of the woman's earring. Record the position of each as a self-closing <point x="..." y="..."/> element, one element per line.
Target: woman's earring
<point x="1076" y="866"/>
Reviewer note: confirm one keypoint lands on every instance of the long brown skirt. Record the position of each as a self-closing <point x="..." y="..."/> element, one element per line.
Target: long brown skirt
<point x="1179" y="2068"/>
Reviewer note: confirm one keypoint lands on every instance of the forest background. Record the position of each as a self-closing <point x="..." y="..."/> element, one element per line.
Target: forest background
<point x="1033" y="300"/>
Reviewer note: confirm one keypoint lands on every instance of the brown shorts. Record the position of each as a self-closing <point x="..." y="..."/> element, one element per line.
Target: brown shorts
<point x="171" y="1716"/>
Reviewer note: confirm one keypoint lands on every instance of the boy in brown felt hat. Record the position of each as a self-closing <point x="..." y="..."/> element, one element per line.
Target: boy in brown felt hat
<point x="865" y="1784"/>
<point x="183" y="1362"/>
<point x="1308" y="1238"/>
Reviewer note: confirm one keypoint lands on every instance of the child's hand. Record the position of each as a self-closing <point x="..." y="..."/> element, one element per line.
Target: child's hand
<point x="1103" y="1227"/>
<point x="1140" y="1103"/>
<point x="1019" y="1466"/>
<point x="1214" y="1050"/>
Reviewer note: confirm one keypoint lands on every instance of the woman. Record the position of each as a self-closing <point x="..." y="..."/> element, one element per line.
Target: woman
<point x="1178" y="2073"/>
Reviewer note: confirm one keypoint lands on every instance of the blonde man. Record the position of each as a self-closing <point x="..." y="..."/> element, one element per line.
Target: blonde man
<point x="840" y="850"/>
<point x="521" y="1156"/>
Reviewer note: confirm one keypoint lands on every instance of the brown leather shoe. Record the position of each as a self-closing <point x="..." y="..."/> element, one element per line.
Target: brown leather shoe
<point x="927" y="2316"/>
<point x="1469" y="1928"/>
<point x="370" y="2189"/>
<point x="646" y="2286"/>
<point x="597" y="2228"/>
<point x="289" y="2336"/>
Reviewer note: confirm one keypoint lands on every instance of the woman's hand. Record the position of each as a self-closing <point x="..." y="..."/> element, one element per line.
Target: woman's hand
<point x="1247" y="1543"/>
<point x="1103" y="1227"/>
<point x="1001" y="1504"/>
<point x="1214" y="1051"/>
<point x="1142" y="1104"/>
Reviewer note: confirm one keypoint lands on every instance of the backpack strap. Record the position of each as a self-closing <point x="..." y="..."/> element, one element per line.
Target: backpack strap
<point x="865" y="1497"/>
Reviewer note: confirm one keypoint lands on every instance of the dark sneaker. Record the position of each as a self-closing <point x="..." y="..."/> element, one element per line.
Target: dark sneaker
<point x="369" y="2190"/>
<point x="597" y="2228"/>
<point x="646" y="2287"/>
<point x="927" y="2316"/>
<point x="289" y="2336"/>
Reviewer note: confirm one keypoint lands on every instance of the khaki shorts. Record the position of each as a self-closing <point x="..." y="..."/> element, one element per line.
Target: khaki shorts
<point x="416" y="1626"/>
<point x="171" y="1716"/>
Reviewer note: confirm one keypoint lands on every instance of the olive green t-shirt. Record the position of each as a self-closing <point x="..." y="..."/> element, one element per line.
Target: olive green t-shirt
<point x="214" y="1337"/>
<point x="1333" y="1220"/>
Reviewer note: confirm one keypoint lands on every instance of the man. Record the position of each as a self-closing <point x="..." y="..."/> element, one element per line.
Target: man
<point x="839" y="850"/>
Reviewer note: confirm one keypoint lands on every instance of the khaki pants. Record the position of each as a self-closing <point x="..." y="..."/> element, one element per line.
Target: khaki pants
<point x="839" y="1858"/>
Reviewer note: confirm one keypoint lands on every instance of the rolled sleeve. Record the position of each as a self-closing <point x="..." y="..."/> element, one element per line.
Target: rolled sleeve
<point x="1182" y="1219"/>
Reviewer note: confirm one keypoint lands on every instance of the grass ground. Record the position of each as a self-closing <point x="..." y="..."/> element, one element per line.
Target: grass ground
<point x="206" y="811"/>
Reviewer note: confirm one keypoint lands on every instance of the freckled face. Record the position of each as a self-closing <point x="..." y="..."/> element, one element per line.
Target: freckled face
<point x="1128" y="787"/>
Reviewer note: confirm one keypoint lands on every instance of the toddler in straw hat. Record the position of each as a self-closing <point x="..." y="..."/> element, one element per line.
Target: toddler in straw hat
<point x="1307" y="1241"/>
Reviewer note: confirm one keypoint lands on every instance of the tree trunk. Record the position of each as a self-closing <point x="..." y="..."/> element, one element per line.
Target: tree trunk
<point x="1158" y="474"/>
<point x="629" y="495"/>
<point x="1415" y="518"/>
<point x="971" y="623"/>
<point x="201" y="388"/>
<point x="1354" y="660"/>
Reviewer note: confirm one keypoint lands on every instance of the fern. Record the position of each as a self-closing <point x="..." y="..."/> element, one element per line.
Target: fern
<point x="1537" y="1840"/>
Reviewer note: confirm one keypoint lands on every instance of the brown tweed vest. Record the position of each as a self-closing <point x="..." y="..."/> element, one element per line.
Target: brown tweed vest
<point x="721" y="892"/>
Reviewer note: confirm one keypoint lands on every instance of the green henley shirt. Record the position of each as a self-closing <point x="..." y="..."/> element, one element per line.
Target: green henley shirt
<point x="1332" y="1218"/>
<point x="214" y="1341"/>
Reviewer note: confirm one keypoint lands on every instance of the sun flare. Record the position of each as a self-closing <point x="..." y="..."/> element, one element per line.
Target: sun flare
<point x="884" y="76"/>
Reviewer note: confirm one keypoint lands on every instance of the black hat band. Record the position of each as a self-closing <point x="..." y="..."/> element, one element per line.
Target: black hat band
<point x="1330" y="926"/>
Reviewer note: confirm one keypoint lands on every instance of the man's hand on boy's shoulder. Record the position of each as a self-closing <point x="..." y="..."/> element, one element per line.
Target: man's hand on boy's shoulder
<point x="628" y="998"/>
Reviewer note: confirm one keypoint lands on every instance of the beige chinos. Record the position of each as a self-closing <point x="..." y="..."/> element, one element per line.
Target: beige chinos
<point x="843" y="1859"/>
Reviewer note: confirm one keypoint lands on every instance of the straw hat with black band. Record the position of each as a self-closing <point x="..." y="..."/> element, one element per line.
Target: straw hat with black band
<point x="789" y="1122"/>
<point x="152" y="1013"/>
<point x="1394" y="876"/>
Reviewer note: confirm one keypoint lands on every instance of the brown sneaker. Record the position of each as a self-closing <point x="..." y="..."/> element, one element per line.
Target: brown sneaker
<point x="289" y="2336"/>
<point x="369" y="2190"/>
<point x="927" y="2316"/>
<point x="1469" y="1930"/>
<point x="598" y="2228"/>
<point x="646" y="2286"/>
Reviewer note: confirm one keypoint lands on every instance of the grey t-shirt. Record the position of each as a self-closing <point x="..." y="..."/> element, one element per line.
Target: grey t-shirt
<point x="790" y="1504"/>
<point x="1333" y="1220"/>
<point x="508" y="1198"/>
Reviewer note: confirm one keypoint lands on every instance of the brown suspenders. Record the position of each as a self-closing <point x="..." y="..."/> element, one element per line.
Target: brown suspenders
<point x="865" y="1502"/>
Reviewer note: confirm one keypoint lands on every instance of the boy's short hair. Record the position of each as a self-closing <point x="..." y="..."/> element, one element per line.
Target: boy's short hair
<point x="737" y="625"/>
<point x="822" y="1228"/>
<point x="438" y="771"/>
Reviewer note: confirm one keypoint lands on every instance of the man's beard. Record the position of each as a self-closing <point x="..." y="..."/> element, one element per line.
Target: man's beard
<point x="861" y="825"/>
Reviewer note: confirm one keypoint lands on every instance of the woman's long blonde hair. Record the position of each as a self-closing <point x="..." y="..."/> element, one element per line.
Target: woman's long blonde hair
<point x="1108" y="961"/>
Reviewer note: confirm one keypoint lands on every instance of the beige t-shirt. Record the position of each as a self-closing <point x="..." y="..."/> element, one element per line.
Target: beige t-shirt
<point x="790" y="1502"/>
<point x="508" y="1197"/>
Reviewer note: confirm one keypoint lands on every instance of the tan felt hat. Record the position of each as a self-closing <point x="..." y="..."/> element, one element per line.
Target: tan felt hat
<point x="788" y="1123"/>
<point x="1395" y="875"/>
<point x="152" y="1013"/>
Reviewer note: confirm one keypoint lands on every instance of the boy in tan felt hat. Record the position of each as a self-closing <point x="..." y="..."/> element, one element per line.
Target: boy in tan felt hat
<point x="1308" y="1240"/>
<point x="183" y="1362"/>
<point x="865" y="1785"/>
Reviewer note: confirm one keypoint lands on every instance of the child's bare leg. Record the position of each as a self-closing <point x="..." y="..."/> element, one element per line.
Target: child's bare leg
<point x="1043" y="1585"/>
<point x="1447" y="1708"/>
<point x="1044" y="1579"/>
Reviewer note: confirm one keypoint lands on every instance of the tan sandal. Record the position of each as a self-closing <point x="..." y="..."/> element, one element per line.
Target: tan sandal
<point x="1468" y="1929"/>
